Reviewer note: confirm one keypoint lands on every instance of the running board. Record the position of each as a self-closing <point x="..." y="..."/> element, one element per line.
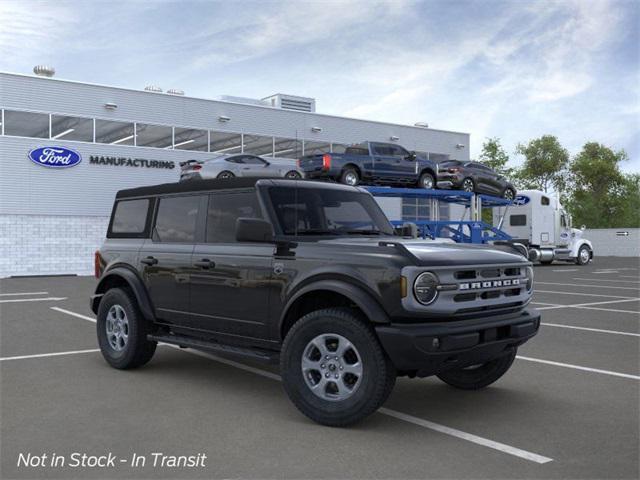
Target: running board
<point x="257" y="354"/>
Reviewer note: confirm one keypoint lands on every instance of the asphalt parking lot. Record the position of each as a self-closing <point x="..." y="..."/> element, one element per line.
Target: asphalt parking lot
<point x="568" y="408"/>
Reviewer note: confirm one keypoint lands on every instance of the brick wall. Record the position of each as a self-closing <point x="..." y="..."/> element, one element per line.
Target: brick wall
<point x="49" y="245"/>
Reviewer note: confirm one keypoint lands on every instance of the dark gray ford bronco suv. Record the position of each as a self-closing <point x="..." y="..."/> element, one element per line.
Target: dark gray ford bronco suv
<point x="313" y="276"/>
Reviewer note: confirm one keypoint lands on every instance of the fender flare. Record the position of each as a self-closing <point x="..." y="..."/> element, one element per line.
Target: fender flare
<point x="580" y="243"/>
<point x="133" y="281"/>
<point x="363" y="300"/>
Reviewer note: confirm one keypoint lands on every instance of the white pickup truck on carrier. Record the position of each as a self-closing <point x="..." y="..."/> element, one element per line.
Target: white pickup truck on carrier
<point x="539" y="221"/>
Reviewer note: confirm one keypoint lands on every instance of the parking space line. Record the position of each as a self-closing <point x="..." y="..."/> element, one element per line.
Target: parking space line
<point x="55" y="354"/>
<point x="46" y="299"/>
<point x="590" y="305"/>
<point x="469" y="437"/>
<point x="604" y="272"/>
<point x="607" y="280"/>
<point x="581" y="294"/>
<point x="628" y="276"/>
<point x="517" y="452"/>
<point x="533" y="457"/>
<point x="567" y="270"/>
<point x="73" y="314"/>
<point x="598" y="330"/>
<point x="588" y="286"/>
<point x="579" y="367"/>
<point x="610" y="310"/>
<point x="23" y="293"/>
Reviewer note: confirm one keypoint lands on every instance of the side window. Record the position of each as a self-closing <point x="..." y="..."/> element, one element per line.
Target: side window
<point x="563" y="220"/>
<point x="379" y="149"/>
<point x="251" y="160"/>
<point x="544" y="201"/>
<point x="518" y="220"/>
<point x="398" y="151"/>
<point x="234" y="160"/>
<point x="176" y="219"/>
<point x="130" y="218"/>
<point x="225" y="209"/>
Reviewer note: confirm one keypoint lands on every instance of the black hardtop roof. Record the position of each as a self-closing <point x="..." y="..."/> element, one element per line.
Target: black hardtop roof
<point x="220" y="184"/>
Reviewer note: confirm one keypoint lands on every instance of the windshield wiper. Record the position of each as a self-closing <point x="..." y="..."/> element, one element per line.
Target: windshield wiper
<point x="317" y="231"/>
<point x="362" y="232"/>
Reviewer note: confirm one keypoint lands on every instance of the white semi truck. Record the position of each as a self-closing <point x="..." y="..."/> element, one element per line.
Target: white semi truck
<point x="538" y="221"/>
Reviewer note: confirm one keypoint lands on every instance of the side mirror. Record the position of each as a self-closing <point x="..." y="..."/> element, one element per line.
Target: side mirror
<point x="408" y="229"/>
<point x="412" y="156"/>
<point x="253" y="230"/>
<point x="583" y="227"/>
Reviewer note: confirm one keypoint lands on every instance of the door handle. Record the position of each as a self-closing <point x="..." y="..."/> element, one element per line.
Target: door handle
<point x="149" y="261"/>
<point x="204" y="263"/>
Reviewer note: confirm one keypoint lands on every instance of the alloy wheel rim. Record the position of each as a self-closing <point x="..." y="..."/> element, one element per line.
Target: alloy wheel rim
<point x="293" y="175"/>
<point x="427" y="182"/>
<point x="467" y="186"/>
<point x="117" y="328"/>
<point x="332" y="367"/>
<point x="584" y="255"/>
<point x="508" y="195"/>
<point x="351" y="179"/>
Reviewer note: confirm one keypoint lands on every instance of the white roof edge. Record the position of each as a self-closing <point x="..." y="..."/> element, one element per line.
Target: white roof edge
<point x="234" y="103"/>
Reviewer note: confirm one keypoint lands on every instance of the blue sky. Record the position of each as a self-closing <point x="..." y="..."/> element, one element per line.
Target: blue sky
<point x="514" y="70"/>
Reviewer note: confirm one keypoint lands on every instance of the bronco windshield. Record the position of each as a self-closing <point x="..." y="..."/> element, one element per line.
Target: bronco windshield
<point x="327" y="211"/>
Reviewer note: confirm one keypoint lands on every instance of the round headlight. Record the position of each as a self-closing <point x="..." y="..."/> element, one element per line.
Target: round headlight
<point x="529" y="274"/>
<point x="425" y="288"/>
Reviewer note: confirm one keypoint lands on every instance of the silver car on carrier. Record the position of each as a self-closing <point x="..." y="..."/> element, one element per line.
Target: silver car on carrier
<point x="239" y="165"/>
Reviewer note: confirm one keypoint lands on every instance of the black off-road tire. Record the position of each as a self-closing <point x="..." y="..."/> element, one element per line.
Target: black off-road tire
<point x="347" y="174"/>
<point x="377" y="381"/>
<point x="138" y="350"/>
<point x="481" y="376"/>
<point x="424" y="179"/>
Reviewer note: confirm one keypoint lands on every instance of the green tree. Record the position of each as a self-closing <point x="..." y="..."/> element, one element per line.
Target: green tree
<point x="545" y="164"/>
<point x="600" y="195"/>
<point x="494" y="156"/>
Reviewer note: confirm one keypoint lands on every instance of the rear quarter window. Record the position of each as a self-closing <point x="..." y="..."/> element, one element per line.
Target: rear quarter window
<point x="176" y="219"/>
<point x="130" y="219"/>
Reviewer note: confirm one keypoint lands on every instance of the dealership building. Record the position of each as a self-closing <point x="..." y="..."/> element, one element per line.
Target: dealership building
<point x="53" y="219"/>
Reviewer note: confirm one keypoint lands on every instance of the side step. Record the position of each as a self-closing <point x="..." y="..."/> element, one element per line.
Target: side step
<point x="260" y="355"/>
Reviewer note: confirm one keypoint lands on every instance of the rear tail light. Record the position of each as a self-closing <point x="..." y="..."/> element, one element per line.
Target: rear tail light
<point x="196" y="167"/>
<point x="326" y="161"/>
<point x="97" y="264"/>
<point x="299" y="163"/>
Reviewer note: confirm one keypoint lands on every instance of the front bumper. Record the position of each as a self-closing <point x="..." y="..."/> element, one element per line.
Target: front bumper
<point x="431" y="348"/>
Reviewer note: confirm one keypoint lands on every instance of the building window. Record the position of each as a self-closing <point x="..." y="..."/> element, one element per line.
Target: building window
<point x="71" y="128"/>
<point x="114" y="133"/>
<point x="314" y="148"/>
<point x="26" y="124"/>
<point x="258" y="145"/>
<point x="223" y="142"/>
<point x="157" y="136"/>
<point x="415" y="209"/>
<point x="287" y="148"/>
<point x="191" y="139"/>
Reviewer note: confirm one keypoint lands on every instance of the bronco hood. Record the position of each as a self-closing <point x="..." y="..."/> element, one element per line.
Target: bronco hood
<point x="438" y="253"/>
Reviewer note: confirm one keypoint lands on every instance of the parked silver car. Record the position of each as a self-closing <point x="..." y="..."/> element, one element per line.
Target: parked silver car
<point x="239" y="165"/>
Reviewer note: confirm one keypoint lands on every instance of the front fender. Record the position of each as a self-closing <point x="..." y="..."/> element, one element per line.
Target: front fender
<point x="117" y="276"/>
<point x="576" y="246"/>
<point x="361" y="298"/>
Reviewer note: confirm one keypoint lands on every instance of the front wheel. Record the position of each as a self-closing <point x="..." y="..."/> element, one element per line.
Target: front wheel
<point x="293" y="175"/>
<point x="334" y="369"/>
<point x="584" y="255"/>
<point x="122" y="331"/>
<point x="509" y="194"/>
<point x="427" y="181"/>
<point x="479" y="376"/>
<point x="468" y="185"/>
<point x="225" y="174"/>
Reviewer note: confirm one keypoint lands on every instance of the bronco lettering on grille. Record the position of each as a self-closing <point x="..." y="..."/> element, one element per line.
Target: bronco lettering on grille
<point x="488" y="284"/>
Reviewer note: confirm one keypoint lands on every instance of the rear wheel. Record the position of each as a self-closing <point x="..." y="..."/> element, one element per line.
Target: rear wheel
<point x="334" y="369"/>
<point x="468" y="185"/>
<point x="225" y="174"/>
<point x="479" y="376"/>
<point x="584" y="255"/>
<point x="350" y="177"/>
<point x="122" y="331"/>
<point x="427" y="181"/>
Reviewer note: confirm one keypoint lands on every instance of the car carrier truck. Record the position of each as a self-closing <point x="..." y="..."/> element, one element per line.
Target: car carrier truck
<point x="540" y="222"/>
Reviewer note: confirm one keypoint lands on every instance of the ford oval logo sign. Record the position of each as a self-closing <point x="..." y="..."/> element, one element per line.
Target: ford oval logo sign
<point x="55" y="157"/>
<point x="521" y="200"/>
